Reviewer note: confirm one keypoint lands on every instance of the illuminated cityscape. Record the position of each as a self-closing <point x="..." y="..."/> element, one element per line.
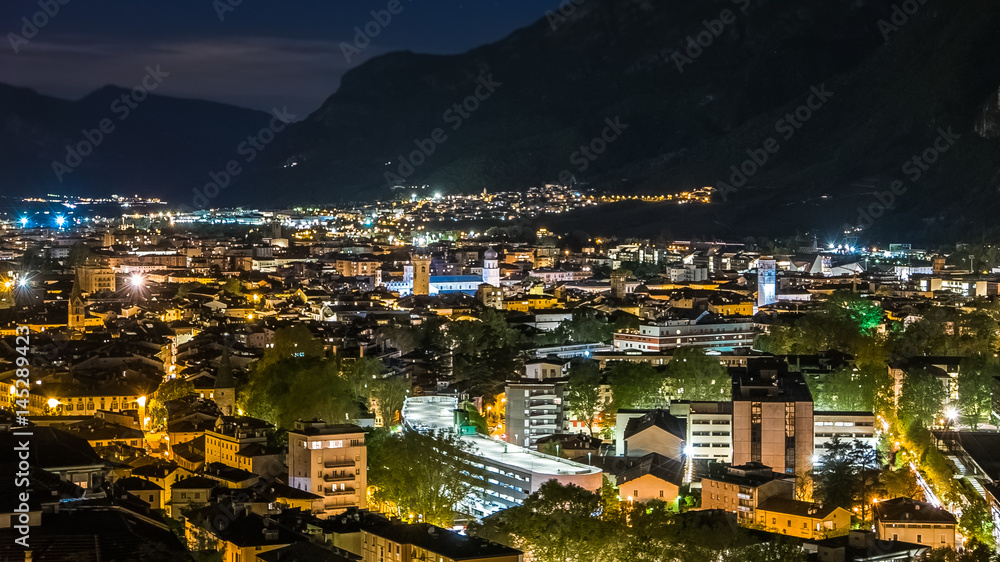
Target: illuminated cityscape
<point x="596" y="281"/>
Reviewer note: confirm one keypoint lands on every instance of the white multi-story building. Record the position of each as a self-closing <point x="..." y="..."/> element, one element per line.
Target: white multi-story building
<point x="848" y="426"/>
<point x="672" y="334"/>
<point x="709" y="429"/>
<point x="330" y="461"/>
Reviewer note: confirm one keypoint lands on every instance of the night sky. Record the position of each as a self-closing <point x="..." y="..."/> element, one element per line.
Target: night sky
<point x="262" y="54"/>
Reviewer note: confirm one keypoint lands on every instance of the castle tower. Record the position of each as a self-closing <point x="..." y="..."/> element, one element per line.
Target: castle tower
<point x="225" y="387"/>
<point x="421" y="273"/>
<point x="491" y="268"/>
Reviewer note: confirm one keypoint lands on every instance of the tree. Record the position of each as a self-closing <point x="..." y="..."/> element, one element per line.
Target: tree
<point x="556" y="523"/>
<point x="694" y="375"/>
<point x="920" y="398"/>
<point x="900" y="483"/>
<point x="977" y="523"/>
<point x="295" y="341"/>
<point x="583" y="392"/>
<point x="233" y="286"/>
<point x="637" y="385"/>
<point x="864" y="314"/>
<point x="170" y="389"/>
<point x="772" y="551"/>
<point x="389" y="393"/>
<point x="975" y="380"/>
<point x="299" y="387"/>
<point x="420" y="477"/>
<point x="845" y="473"/>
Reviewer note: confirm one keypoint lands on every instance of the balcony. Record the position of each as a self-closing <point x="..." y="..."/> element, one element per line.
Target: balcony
<point x="335" y="478"/>
<point x="537" y="407"/>
<point x="331" y="492"/>
<point x="343" y="463"/>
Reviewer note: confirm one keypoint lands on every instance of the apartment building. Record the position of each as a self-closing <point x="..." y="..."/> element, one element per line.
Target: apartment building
<point x="239" y="442"/>
<point x="847" y="426"/>
<point x="709" y="429"/>
<point x="329" y="460"/>
<point x="772" y="418"/>
<point x="534" y="407"/>
<point x="705" y="331"/>
<point x="740" y="489"/>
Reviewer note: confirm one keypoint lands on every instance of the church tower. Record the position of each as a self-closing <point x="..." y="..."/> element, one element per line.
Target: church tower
<point x="619" y="280"/>
<point x="77" y="308"/>
<point x="421" y="273"/>
<point x="225" y="387"/>
<point x="491" y="268"/>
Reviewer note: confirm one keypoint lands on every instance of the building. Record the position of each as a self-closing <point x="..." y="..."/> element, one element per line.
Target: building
<point x="847" y="426"/>
<point x="193" y="492"/>
<point x="400" y="542"/>
<point x="766" y="282"/>
<point x="652" y="477"/>
<point x="514" y="471"/>
<point x="705" y="331"/>
<point x="421" y="273"/>
<point x="772" y="419"/>
<point x="912" y="521"/>
<point x="96" y="279"/>
<point x="241" y="442"/>
<point x="224" y="393"/>
<point x="656" y="432"/>
<point x="330" y="460"/>
<point x="241" y="538"/>
<point x="740" y="489"/>
<point x="863" y="546"/>
<point x="534" y="406"/>
<point x="709" y="429"/>
<point x="491" y="268"/>
<point x="417" y="279"/>
<point x="147" y="491"/>
<point x="805" y="520"/>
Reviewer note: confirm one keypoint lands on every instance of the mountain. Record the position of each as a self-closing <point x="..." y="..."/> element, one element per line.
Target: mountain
<point x="687" y="90"/>
<point x="156" y="146"/>
<point x="897" y="73"/>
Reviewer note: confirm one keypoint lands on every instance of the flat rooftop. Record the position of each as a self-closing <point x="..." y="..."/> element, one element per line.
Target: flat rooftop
<point x="436" y="413"/>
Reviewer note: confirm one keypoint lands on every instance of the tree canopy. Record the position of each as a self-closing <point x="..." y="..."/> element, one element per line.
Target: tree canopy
<point x="420" y="477"/>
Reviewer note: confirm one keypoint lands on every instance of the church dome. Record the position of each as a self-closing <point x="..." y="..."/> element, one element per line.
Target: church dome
<point x="490" y="254"/>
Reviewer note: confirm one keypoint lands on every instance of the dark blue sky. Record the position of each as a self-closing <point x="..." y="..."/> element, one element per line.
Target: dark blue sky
<point x="264" y="53"/>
